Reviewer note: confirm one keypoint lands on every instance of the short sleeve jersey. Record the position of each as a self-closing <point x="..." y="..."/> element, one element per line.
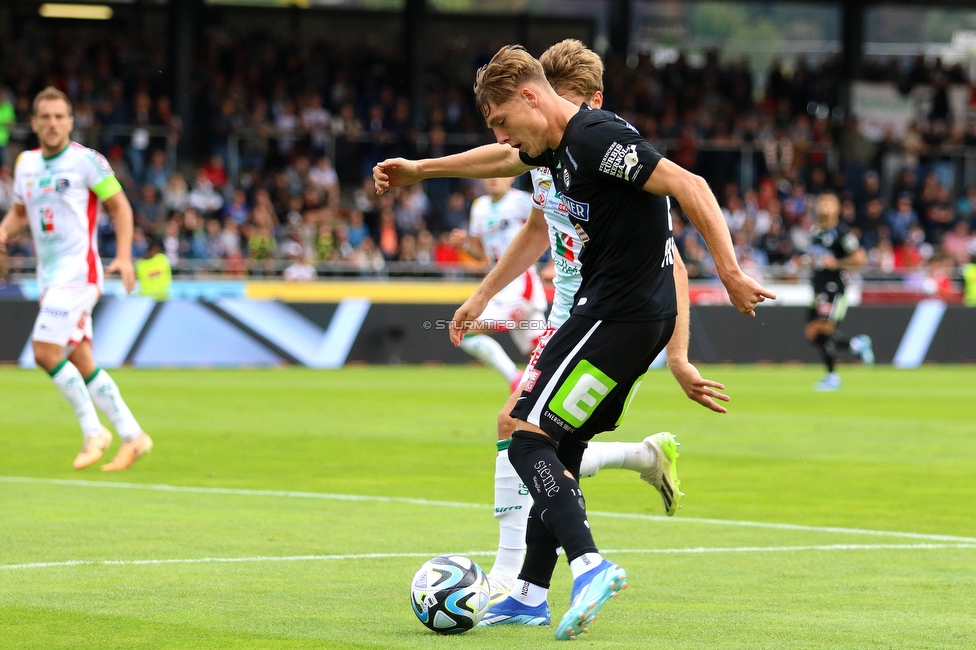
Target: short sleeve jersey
<point x="839" y="242"/>
<point x="62" y="196"/>
<point x="497" y="222"/>
<point x="599" y="169"/>
<point x="564" y="241"/>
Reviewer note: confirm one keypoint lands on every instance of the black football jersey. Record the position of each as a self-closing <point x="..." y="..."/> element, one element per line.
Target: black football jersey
<point x="600" y="168"/>
<point x="839" y="242"/>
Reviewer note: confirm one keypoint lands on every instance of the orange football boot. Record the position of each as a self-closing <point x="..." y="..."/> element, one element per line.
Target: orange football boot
<point x="129" y="453"/>
<point x="93" y="448"/>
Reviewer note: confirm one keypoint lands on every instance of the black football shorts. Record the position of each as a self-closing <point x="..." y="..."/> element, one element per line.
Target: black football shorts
<point x="588" y="373"/>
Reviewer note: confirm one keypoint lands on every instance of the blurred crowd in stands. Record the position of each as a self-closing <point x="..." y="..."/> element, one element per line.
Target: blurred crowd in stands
<point x="292" y="187"/>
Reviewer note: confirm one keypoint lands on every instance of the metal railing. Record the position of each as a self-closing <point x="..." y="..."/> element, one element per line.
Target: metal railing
<point x="272" y="268"/>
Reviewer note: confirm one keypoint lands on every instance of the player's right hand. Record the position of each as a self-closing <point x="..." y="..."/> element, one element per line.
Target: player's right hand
<point x="745" y="293"/>
<point x="395" y="172"/>
<point x="466" y="318"/>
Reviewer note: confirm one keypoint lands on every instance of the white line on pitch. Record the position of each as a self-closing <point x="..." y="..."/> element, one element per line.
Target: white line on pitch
<point x="460" y="504"/>
<point x="386" y="556"/>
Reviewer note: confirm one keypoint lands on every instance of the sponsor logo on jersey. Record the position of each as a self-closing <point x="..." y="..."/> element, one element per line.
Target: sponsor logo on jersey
<point x="47" y="220"/>
<point x="530" y="382"/>
<point x="54" y="312"/>
<point x="567" y="268"/>
<point x="580" y="211"/>
<point x="621" y="161"/>
<point x="540" y="198"/>
<point x="61" y="185"/>
<point x="567" y="179"/>
<point x="564" y="246"/>
<point x="582" y="233"/>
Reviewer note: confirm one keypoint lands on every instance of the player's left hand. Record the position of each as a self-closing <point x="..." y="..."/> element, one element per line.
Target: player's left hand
<point x="745" y="293"/>
<point x="125" y="270"/>
<point x="698" y="388"/>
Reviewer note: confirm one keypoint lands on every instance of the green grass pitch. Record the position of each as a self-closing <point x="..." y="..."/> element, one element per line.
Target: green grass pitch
<point x="893" y="451"/>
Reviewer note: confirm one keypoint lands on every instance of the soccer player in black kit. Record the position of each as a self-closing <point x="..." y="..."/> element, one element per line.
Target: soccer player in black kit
<point x="834" y="248"/>
<point x="615" y="188"/>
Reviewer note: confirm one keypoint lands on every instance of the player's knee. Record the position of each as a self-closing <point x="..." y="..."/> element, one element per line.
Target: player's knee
<point x="46" y="356"/>
<point x="527" y="443"/>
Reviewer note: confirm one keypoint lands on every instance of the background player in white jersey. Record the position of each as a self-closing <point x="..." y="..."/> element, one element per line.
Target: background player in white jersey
<point x="59" y="189"/>
<point x="519" y="307"/>
<point x="576" y="73"/>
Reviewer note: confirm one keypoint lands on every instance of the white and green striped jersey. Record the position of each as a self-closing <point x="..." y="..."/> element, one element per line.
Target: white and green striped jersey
<point x="565" y="241"/>
<point x="62" y="196"/>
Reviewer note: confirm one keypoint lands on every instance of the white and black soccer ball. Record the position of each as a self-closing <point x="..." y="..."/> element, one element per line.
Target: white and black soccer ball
<point x="449" y="594"/>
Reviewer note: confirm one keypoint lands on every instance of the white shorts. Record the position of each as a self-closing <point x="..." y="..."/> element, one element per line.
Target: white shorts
<point x="65" y="316"/>
<point x="520" y="310"/>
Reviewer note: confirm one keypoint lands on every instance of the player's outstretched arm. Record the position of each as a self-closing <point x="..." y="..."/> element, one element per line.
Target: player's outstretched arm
<point x="528" y="246"/>
<point x="120" y="210"/>
<point x="13" y="222"/>
<point x="685" y="373"/>
<point x="486" y="161"/>
<point x="698" y="202"/>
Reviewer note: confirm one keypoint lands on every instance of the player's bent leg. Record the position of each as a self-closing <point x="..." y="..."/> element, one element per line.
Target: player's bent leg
<point x="663" y="473"/>
<point x="654" y="459"/>
<point x="488" y="351"/>
<point x="71" y="385"/>
<point x="47" y="355"/>
<point x="505" y="425"/>
<point x="512" y="504"/>
<point x="862" y="347"/>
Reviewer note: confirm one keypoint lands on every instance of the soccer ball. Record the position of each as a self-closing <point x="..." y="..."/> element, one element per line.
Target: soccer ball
<point x="449" y="594"/>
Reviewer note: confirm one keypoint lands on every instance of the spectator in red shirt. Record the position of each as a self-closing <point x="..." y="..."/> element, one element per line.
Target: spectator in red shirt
<point x="215" y="172"/>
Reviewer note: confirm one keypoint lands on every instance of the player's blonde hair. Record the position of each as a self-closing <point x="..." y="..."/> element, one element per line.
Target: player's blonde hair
<point x="571" y="66"/>
<point x="48" y="94"/>
<point x="501" y="78"/>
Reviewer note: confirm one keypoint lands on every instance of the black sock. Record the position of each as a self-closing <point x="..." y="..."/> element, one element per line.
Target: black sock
<point x="828" y="348"/>
<point x="559" y="508"/>
<point x="541" y="556"/>
<point x="540" y="552"/>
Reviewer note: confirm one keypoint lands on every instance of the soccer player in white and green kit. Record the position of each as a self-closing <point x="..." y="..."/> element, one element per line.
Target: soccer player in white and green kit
<point x="59" y="192"/>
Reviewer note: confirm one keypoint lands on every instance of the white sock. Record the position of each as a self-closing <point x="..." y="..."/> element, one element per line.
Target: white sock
<point x="512" y="504"/>
<point x="529" y="594"/>
<point x="584" y="563"/>
<point x="109" y="400"/>
<point x="489" y="352"/>
<point x="69" y="381"/>
<point x="634" y="456"/>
